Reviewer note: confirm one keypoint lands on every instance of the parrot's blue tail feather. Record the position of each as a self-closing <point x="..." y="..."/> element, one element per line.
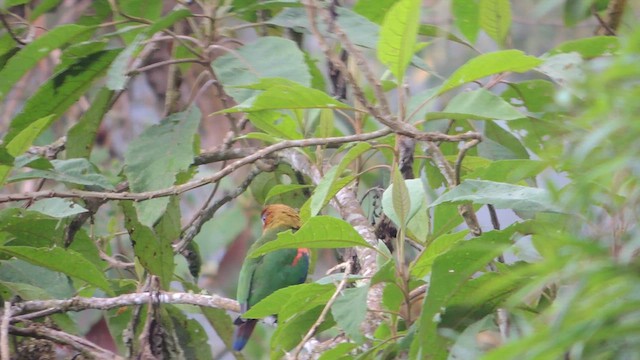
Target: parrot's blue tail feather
<point x="242" y="333"/>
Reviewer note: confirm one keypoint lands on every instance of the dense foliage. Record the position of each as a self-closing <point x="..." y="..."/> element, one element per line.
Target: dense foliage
<point x="473" y="188"/>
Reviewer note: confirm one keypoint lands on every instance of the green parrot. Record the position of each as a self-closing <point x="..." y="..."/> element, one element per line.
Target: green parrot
<point x="261" y="276"/>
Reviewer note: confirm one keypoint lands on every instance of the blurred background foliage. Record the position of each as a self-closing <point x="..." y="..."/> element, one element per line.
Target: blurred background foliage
<point x="137" y="88"/>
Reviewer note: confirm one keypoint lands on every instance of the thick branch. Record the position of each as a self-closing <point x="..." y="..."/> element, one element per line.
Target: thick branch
<point x="83" y="345"/>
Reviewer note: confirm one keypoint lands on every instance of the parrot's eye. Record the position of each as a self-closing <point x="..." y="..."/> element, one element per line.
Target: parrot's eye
<point x="264" y="218"/>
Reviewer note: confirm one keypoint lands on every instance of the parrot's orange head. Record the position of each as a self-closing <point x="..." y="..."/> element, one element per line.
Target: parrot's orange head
<point x="279" y="215"/>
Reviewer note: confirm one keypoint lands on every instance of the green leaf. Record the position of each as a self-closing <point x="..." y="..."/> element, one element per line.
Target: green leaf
<point x="449" y="272"/>
<point x="400" y="198"/>
<point x="416" y="196"/>
<point x="509" y="171"/>
<point x="289" y="301"/>
<point x="495" y="19"/>
<point x="466" y="17"/>
<point x="61" y="91"/>
<point x="32" y="228"/>
<point x="274" y="123"/>
<point x="155" y="254"/>
<point x="477" y="104"/>
<point x="290" y="333"/>
<point x="501" y="195"/>
<point x="374" y="10"/>
<point x="421" y="266"/>
<point x="280" y="189"/>
<point x="319" y="232"/>
<point x="22" y="140"/>
<point x="117" y="74"/>
<point x="281" y="93"/>
<point x="75" y="171"/>
<point x="157" y="156"/>
<point x="221" y="323"/>
<point x="66" y="261"/>
<point x="267" y="57"/>
<point x="490" y="64"/>
<point x="500" y="144"/>
<point x="30" y="54"/>
<point x="339" y="351"/>
<point x="590" y="47"/>
<point x="81" y="136"/>
<point x="192" y="338"/>
<point x="398" y="36"/>
<point x="56" y="207"/>
<point x="349" y="310"/>
<point x="27" y="276"/>
<point x="331" y="182"/>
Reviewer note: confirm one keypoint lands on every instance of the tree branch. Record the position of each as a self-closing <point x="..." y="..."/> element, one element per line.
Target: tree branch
<point x="83" y="345"/>
<point x="79" y="303"/>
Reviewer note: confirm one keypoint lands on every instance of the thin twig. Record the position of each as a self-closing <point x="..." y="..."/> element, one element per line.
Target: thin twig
<point x="179" y="189"/>
<point x="208" y="213"/>
<point x="4" y="332"/>
<point x="461" y="154"/>
<point x="13" y="35"/>
<point x="325" y="311"/>
<point x="165" y="63"/>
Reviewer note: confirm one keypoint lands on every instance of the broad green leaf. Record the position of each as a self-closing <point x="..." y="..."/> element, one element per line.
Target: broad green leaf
<point x="267" y="57"/>
<point x="284" y="188"/>
<point x="349" y="310"/>
<point x="590" y="47"/>
<point x="61" y="91"/>
<point x="317" y="233"/>
<point x="360" y="30"/>
<point x="282" y="93"/>
<point x="421" y="266"/>
<point x="374" y="10"/>
<point x="490" y="64"/>
<point x="30" y="54"/>
<point x="435" y="31"/>
<point x="467" y="18"/>
<point x="400" y="198"/>
<point x="27" y="276"/>
<point x="155" y="254"/>
<point x="191" y="336"/>
<point x="283" y="174"/>
<point x="117" y="74"/>
<point x="56" y="207"/>
<point x="157" y="156"/>
<point x="43" y="7"/>
<point x="66" y="261"/>
<point x="536" y="95"/>
<point x="331" y="182"/>
<point x="500" y="144"/>
<point x="477" y="104"/>
<point x="290" y="333"/>
<point x="22" y="140"/>
<point x="286" y="302"/>
<point x="339" y="351"/>
<point x="75" y="171"/>
<point x="565" y="69"/>
<point x="32" y="228"/>
<point x="221" y="323"/>
<point x="495" y="19"/>
<point x="398" y="36"/>
<point x="501" y="195"/>
<point x="508" y="171"/>
<point x="449" y="272"/>
<point x="81" y="136"/>
<point x="416" y="197"/>
<point x="275" y="123"/>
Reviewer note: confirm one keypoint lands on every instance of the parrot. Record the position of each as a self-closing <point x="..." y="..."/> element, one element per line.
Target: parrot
<point x="263" y="275"/>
